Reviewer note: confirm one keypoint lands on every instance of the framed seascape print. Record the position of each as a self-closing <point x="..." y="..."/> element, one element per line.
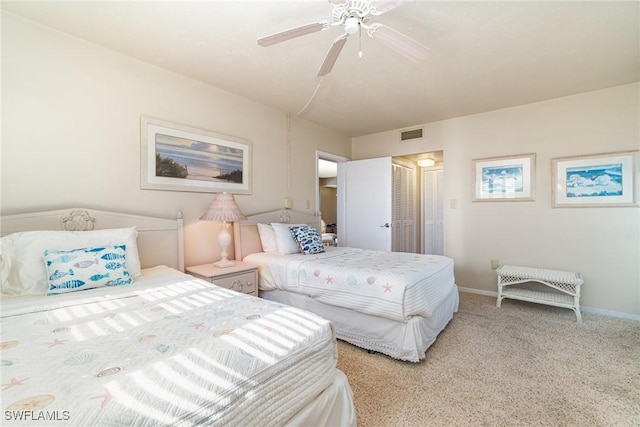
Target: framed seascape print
<point x="508" y="178"/>
<point x="596" y="180"/>
<point x="179" y="158"/>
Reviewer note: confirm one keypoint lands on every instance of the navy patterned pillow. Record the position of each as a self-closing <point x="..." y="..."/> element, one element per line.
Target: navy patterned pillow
<point x="307" y="239"/>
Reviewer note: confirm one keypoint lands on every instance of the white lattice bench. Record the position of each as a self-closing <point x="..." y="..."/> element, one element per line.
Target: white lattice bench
<point x="567" y="282"/>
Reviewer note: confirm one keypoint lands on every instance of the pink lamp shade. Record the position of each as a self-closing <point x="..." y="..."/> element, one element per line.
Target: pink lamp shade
<point x="224" y="209"/>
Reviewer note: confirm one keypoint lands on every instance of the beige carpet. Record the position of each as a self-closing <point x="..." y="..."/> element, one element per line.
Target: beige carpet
<point x="520" y="365"/>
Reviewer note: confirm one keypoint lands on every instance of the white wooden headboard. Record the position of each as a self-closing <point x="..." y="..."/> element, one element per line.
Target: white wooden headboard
<point x="245" y="233"/>
<point x="160" y="240"/>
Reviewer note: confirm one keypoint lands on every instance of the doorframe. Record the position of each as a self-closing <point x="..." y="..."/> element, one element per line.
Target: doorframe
<point x="332" y="158"/>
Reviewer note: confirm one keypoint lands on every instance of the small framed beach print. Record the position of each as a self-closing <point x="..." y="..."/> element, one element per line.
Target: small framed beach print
<point x="503" y="179"/>
<point x="597" y="180"/>
<point x="180" y="158"/>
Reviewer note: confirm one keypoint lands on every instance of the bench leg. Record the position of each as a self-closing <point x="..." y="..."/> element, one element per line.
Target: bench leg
<point x="578" y="315"/>
<point x="576" y="307"/>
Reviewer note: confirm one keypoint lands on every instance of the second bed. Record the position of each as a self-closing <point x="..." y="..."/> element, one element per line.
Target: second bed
<point x="391" y="302"/>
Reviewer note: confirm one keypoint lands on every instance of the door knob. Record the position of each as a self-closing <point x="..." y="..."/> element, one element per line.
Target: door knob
<point x="386" y="225"/>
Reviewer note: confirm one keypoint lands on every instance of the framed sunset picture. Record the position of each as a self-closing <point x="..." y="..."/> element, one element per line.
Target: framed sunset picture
<point x="180" y="158"/>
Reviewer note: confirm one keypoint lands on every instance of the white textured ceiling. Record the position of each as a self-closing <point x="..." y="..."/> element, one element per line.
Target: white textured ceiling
<point x="485" y="55"/>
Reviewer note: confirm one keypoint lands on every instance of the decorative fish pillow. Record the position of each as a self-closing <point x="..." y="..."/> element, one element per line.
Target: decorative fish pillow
<point x="86" y="268"/>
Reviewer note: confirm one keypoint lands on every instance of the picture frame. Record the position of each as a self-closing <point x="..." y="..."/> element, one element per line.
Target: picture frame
<point x="174" y="157"/>
<point x="504" y="179"/>
<point x="595" y="180"/>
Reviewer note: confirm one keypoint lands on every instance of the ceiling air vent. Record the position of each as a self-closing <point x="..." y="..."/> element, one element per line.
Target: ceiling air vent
<point x="411" y="134"/>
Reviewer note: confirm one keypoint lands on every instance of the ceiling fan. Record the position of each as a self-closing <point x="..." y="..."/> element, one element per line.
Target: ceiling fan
<point x="353" y="16"/>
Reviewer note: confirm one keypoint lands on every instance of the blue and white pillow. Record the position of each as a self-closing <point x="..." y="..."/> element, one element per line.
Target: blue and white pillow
<point x="86" y="268"/>
<point x="307" y="239"/>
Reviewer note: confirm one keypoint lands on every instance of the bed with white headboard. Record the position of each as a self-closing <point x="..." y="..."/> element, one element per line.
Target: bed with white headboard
<point x="162" y="348"/>
<point x="393" y="303"/>
<point x="159" y="240"/>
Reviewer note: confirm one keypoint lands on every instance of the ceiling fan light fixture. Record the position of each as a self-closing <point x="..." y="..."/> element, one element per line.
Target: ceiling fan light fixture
<point x="351" y="25"/>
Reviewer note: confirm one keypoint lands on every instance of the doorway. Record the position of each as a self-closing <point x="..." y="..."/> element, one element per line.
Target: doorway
<point x="429" y="203"/>
<point x="327" y="190"/>
<point x="429" y="232"/>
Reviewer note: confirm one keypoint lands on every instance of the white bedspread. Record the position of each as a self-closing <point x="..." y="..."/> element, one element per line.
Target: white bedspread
<point x="395" y="285"/>
<point x="168" y="350"/>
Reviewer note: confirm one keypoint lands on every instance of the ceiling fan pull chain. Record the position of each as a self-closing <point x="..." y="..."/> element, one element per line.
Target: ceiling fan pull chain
<point x="360" y="43"/>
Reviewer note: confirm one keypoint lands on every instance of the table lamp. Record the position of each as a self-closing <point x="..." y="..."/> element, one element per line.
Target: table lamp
<point x="224" y="209"/>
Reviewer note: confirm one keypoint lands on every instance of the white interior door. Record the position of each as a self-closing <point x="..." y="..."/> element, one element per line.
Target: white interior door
<point x="364" y="203"/>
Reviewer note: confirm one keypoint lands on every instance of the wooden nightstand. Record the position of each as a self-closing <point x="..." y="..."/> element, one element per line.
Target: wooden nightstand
<point x="242" y="277"/>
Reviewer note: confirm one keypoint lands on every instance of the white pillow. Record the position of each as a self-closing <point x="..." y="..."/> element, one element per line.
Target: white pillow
<point x="284" y="239"/>
<point x="23" y="272"/>
<point x="267" y="238"/>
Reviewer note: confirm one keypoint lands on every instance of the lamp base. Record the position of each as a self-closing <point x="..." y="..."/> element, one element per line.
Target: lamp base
<point x="224" y="263"/>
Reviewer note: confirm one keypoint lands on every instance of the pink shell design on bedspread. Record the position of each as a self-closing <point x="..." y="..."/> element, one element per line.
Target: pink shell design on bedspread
<point x="371" y="280"/>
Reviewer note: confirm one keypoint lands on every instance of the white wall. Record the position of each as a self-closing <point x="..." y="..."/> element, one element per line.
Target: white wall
<point x="71" y="134"/>
<point x="601" y="243"/>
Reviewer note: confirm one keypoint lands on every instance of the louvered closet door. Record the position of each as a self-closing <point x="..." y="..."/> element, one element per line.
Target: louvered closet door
<point x="433" y="212"/>
<point x="403" y="233"/>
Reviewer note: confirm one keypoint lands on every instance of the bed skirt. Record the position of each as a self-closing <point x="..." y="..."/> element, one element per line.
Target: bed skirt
<point x="333" y="407"/>
<point x="400" y="340"/>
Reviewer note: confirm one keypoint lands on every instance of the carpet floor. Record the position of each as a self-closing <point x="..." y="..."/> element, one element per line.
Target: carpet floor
<point x="522" y="364"/>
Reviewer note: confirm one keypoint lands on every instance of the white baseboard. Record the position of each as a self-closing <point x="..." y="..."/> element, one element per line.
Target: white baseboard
<point x="584" y="309"/>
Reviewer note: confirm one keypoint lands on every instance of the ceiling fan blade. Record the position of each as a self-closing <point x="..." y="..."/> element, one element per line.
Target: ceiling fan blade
<point x="332" y="55"/>
<point x="293" y="33"/>
<point x="382" y="6"/>
<point x="398" y="42"/>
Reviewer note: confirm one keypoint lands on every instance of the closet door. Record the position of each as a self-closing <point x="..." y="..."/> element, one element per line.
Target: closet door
<point x="403" y="232"/>
<point x="433" y="225"/>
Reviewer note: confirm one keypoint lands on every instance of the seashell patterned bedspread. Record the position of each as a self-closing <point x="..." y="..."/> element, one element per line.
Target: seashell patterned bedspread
<point x="395" y="285"/>
<point x="170" y="351"/>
